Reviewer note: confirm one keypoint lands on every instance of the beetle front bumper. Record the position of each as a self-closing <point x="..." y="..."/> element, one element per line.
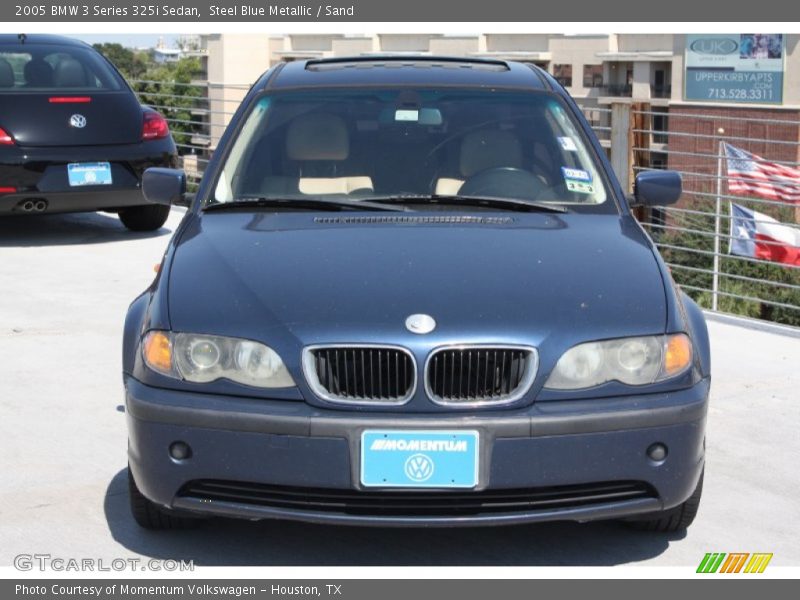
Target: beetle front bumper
<point x="566" y="460"/>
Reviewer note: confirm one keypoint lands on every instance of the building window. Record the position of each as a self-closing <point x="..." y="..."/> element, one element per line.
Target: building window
<point x="592" y="76"/>
<point x="660" y="125"/>
<point x="563" y="74"/>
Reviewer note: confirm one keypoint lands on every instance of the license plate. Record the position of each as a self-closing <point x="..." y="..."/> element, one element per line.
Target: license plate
<point x="419" y="459"/>
<point x="89" y="173"/>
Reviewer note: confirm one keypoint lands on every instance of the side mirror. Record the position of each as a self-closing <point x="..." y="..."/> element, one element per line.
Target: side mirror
<point x="164" y="186"/>
<point x="657" y="188"/>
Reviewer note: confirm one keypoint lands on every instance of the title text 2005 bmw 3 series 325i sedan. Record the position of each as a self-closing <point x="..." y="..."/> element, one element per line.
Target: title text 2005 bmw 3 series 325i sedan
<point x="410" y="292"/>
<point x="73" y="136"/>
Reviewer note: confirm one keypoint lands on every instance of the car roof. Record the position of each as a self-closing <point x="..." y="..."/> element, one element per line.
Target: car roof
<point x="407" y="70"/>
<point x="16" y="39"/>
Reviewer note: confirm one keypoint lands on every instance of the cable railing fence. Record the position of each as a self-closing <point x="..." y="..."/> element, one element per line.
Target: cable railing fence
<point x="731" y="242"/>
<point x="197" y="113"/>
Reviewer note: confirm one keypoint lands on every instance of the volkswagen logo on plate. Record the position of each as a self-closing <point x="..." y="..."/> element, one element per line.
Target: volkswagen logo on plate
<point x="419" y="467"/>
<point x="77" y="121"/>
<point x="420" y="324"/>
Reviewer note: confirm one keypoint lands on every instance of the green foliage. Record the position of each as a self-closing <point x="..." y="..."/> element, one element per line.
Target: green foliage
<point x="162" y="86"/>
<point x="131" y="63"/>
<point x="687" y="265"/>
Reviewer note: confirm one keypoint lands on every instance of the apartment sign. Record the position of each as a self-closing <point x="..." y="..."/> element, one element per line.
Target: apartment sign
<point x="740" y="68"/>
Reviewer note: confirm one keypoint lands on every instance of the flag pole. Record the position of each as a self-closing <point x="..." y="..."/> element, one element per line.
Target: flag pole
<point x="717" y="218"/>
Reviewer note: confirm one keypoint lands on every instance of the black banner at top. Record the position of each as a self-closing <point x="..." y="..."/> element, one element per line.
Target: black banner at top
<point x="144" y="11"/>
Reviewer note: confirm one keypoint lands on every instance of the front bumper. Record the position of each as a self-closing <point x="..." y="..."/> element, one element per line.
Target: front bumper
<point x="547" y="447"/>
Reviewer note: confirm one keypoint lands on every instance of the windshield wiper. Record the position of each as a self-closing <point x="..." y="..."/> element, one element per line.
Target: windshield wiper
<point x="332" y="204"/>
<point x="456" y="200"/>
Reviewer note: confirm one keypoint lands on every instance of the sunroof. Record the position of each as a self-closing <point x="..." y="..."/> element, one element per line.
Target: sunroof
<point x="418" y="62"/>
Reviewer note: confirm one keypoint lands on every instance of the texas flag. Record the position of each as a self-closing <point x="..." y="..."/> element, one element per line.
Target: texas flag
<point x="757" y="235"/>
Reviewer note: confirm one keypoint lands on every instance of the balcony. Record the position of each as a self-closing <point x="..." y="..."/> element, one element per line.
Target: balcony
<point x="617" y="90"/>
<point x="660" y="91"/>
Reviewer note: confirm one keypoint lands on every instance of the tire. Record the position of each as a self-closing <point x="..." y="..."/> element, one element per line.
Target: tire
<point x="674" y="519"/>
<point x="144" y="218"/>
<point x="149" y="515"/>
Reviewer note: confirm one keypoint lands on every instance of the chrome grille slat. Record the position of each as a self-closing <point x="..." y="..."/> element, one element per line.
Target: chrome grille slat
<point x="476" y="375"/>
<point x="360" y="374"/>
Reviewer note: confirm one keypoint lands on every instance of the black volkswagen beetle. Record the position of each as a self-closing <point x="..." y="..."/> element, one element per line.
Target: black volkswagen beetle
<point x="73" y="136"/>
<point x="410" y="292"/>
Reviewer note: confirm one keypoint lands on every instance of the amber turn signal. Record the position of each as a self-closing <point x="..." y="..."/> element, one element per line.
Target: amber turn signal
<point x="678" y="354"/>
<point x="157" y="352"/>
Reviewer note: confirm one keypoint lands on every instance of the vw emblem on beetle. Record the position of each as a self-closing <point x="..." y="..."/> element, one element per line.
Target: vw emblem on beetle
<point x="420" y="324"/>
<point x="419" y="467"/>
<point x="77" y="121"/>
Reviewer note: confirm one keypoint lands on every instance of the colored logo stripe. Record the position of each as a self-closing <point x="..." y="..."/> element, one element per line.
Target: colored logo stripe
<point x="711" y="562"/>
<point x="758" y="562"/>
<point x="714" y="562"/>
<point x="734" y="562"/>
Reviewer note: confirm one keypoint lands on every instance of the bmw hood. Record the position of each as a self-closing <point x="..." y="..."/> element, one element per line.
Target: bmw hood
<point x="297" y="278"/>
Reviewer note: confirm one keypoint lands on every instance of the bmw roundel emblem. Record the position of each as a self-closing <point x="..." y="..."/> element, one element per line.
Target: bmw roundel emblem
<point x="77" y="121"/>
<point x="420" y="324"/>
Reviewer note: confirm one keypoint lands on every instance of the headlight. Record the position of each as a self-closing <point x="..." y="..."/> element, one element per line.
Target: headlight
<point x="204" y="358"/>
<point x="633" y="361"/>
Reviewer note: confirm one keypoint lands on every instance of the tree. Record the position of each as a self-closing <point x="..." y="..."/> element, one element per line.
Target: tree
<point x="163" y="86"/>
<point x="167" y="88"/>
<point x="132" y="64"/>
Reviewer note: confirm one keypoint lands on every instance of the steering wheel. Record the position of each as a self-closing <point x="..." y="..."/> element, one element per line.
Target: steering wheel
<point x="503" y="182"/>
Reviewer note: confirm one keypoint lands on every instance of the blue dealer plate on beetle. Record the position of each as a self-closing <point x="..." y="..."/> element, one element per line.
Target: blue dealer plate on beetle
<point x="419" y="459"/>
<point x="89" y="173"/>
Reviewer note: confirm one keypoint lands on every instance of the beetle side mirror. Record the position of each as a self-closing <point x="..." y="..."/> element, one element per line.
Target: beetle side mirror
<point x="656" y="188"/>
<point x="164" y="186"/>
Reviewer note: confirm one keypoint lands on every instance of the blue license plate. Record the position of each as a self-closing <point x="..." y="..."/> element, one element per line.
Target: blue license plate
<point x="98" y="173"/>
<point x="419" y="459"/>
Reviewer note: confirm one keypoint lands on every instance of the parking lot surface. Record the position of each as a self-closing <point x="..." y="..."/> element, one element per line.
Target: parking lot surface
<point x="66" y="283"/>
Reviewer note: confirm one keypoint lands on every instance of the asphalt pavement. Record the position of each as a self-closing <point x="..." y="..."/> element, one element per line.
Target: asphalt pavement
<point x="65" y="283"/>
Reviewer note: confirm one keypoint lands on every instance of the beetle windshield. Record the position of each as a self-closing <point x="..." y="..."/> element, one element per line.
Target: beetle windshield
<point x="414" y="145"/>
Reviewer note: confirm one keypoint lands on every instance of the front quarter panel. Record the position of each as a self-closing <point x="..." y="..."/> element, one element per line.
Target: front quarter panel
<point x="698" y="333"/>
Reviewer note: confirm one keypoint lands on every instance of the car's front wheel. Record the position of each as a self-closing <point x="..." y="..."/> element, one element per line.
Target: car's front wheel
<point x="149" y="515"/>
<point x="674" y="519"/>
<point x="144" y="218"/>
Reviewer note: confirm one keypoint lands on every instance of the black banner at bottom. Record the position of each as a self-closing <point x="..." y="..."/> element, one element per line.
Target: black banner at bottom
<point x="376" y="589"/>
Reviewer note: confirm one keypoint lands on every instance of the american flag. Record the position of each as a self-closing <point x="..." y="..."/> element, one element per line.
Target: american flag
<point x="751" y="175"/>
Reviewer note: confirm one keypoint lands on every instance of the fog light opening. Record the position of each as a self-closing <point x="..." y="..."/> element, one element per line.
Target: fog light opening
<point x="657" y="452"/>
<point x="180" y="451"/>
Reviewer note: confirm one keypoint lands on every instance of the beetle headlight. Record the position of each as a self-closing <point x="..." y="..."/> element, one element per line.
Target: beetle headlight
<point x="204" y="358"/>
<point x="632" y="361"/>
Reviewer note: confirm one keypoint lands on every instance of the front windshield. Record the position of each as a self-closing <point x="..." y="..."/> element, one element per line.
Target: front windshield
<point x="376" y="144"/>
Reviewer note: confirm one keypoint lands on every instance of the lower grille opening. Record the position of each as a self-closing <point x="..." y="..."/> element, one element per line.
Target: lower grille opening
<point x="415" y="503"/>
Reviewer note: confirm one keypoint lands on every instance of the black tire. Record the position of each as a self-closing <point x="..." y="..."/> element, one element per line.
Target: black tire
<point x="149" y="515"/>
<point x="674" y="519"/>
<point x="144" y="218"/>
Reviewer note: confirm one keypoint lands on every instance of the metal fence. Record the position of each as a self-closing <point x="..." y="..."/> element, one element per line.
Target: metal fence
<point x="197" y="114"/>
<point x="694" y="236"/>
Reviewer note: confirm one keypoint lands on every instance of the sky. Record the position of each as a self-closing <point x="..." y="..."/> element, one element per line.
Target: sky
<point x="133" y="40"/>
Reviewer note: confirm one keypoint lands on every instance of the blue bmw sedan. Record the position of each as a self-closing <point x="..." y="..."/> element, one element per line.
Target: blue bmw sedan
<point x="410" y="292"/>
